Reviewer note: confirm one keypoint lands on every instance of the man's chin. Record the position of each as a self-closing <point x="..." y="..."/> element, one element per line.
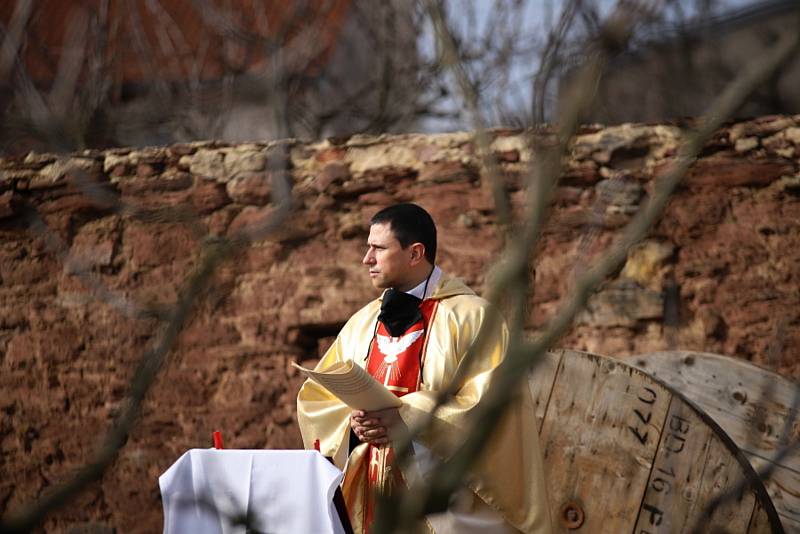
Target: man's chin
<point x="378" y="283"/>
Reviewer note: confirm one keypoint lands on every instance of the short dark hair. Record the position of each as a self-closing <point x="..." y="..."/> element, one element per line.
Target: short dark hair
<point x="410" y="224"/>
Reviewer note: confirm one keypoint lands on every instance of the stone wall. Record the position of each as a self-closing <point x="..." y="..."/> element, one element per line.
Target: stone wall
<point x="719" y="273"/>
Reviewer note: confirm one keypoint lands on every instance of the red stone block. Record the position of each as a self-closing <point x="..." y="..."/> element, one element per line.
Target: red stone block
<point x="208" y="196"/>
<point x="250" y="188"/>
<point x="447" y="171"/>
<point x="733" y="172"/>
<point x="331" y="174"/>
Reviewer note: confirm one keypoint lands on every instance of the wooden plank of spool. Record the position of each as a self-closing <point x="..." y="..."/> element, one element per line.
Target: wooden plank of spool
<point x="599" y="436"/>
<point x="673" y="489"/>
<point x="541" y="383"/>
<point x="611" y="436"/>
<point x="760" y="521"/>
<point x="723" y="472"/>
<point x="751" y="404"/>
<point x="782" y="485"/>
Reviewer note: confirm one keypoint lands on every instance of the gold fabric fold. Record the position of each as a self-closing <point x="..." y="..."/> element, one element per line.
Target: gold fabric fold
<point x="508" y="476"/>
<point x="354" y="489"/>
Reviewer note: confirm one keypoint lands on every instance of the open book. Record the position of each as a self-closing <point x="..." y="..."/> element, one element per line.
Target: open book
<point x="353" y="385"/>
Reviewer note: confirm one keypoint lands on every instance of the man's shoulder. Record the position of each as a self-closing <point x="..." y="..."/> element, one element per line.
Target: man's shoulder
<point x="464" y="303"/>
<point x="453" y="291"/>
<point x="368" y="309"/>
<point x="464" y="298"/>
<point x="468" y="314"/>
<point x="366" y="314"/>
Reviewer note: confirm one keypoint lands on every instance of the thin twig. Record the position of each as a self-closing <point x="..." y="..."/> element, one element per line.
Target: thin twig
<point x="13" y="37"/>
<point x="401" y="513"/>
<point x="447" y="476"/>
<point x="450" y="59"/>
<point x="214" y="252"/>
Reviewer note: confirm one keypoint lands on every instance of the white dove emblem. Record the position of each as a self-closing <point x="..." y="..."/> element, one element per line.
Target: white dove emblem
<point x="391" y="347"/>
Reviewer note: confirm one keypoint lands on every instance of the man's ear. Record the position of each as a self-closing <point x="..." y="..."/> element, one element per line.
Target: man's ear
<point x="417" y="253"/>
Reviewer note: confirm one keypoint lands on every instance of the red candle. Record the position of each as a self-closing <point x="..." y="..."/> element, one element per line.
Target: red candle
<point x="218" y="440"/>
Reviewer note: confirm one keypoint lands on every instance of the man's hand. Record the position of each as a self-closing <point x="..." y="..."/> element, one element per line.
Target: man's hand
<point x="377" y="427"/>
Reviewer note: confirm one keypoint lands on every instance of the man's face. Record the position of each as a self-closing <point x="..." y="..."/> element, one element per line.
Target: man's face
<point x="389" y="263"/>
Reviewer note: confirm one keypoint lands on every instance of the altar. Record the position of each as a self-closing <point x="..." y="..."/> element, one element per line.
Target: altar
<point x="236" y="491"/>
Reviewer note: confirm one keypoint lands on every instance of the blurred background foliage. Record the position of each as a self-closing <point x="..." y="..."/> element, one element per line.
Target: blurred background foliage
<point x="78" y="74"/>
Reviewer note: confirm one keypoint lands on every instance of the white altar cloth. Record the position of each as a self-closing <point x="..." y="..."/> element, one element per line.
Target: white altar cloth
<point x="216" y="491"/>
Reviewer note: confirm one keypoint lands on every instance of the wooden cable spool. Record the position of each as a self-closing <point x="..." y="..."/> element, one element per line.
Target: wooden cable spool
<point x="752" y="405"/>
<point x="624" y="453"/>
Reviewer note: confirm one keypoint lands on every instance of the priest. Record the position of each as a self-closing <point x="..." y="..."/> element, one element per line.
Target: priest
<point x="412" y="339"/>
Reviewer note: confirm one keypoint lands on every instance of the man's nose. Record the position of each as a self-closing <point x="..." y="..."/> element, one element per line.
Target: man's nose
<point x="369" y="258"/>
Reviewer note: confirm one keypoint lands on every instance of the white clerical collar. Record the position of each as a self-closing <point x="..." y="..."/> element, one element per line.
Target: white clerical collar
<point x="431" y="281"/>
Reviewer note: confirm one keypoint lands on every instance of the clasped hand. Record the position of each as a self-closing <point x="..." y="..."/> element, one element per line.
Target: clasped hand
<point x="377" y="427"/>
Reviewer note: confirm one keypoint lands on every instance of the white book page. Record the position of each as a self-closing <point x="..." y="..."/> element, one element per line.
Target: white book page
<point x="353" y="386"/>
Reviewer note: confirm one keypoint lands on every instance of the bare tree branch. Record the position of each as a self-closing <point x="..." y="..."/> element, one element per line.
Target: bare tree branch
<point x="13" y="37"/>
<point x="401" y="514"/>
<point x="450" y="59"/>
<point x="214" y="252"/>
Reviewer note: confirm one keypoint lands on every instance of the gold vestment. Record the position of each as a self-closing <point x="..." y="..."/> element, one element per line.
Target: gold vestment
<point x="509" y="476"/>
